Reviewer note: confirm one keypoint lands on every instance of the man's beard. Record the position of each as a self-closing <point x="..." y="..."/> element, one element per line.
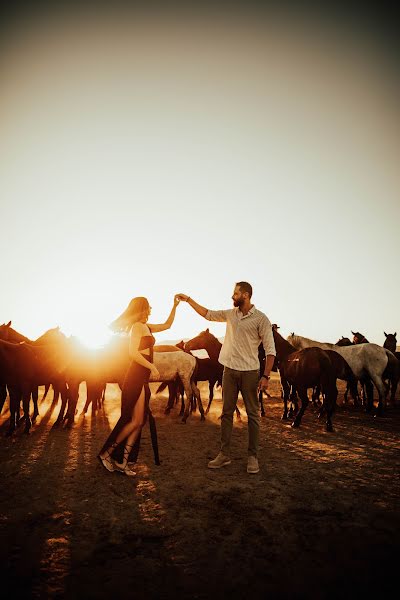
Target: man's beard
<point x="238" y="303"/>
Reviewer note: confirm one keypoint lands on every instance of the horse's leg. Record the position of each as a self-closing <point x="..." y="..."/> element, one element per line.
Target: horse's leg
<point x="346" y="394"/>
<point x="211" y="383"/>
<point x="292" y="396"/>
<point x="56" y="392"/>
<point x="171" y="397"/>
<point x="285" y="397"/>
<point x="393" y="382"/>
<point x="180" y="391"/>
<point x="196" y="396"/>
<point x="73" y="395"/>
<point x="208" y="406"/>
<point x="46" y="391"/>
<point x="89" y="399"/>
<point x="369" y="395"/>
<point x="193" y="399"/>
<point x="315" y="395"/>
<point x="329" y="393"/>
<point x="95" y="396"/>
<point x="15" y="397"/>
<point x="352" y="387"/>
<point x="60" y="389"/>
<point x="35" y="397"/>
<point x="26" y="398"/>
<point x="3" y="395"/>
<point x="260" y="399"/>
<point x="381" y="392"/>
<point x="190" y="389"/>
<point x="304" y="403"/>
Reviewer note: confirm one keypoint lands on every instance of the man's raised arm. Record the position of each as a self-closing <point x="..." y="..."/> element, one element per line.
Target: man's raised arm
<point x="201" y="310"/>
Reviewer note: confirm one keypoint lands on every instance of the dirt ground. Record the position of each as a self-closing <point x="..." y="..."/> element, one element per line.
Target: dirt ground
<point x="320" y="520"/>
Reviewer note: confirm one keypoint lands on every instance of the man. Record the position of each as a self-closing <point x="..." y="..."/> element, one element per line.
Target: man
<point x="246" y="328"/>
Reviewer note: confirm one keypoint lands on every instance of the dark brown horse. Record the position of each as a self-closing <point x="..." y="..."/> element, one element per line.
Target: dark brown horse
<point x="305" y="369"/>
<point x="359" y="338"/>
<point x="24" y="366"/>
<point x="9" y="334"/>
<point x="390" y="343"/>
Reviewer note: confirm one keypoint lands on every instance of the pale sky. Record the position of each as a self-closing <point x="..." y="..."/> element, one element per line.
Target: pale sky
<point x="147" y="156"/>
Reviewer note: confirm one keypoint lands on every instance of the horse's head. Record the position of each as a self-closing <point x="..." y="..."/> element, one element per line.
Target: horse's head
<point x="344" y="341"/>
<point x="275" y="327"/>
<point x="201" y="341"/>
<point x="51" y="335"/>
<point x="5" y="331"/>
<point x="359" y="338"/>
<point x="390" y="341"/>
<point x="10" y="335"/>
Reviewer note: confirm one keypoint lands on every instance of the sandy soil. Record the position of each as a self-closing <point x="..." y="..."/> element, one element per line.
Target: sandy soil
<point x="320" y="520"/>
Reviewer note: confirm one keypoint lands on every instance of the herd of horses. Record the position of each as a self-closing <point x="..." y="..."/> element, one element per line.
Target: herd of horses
<point x="54" y="359"/>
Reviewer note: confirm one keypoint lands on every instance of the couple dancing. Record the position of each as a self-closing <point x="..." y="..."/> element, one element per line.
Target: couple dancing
<point x="246" y="328"/>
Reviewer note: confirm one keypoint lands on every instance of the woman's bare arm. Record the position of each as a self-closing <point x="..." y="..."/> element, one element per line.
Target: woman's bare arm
<point x="155" y="328"/>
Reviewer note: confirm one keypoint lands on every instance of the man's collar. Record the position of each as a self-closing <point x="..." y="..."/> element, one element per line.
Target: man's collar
<point x="251" y="311"/>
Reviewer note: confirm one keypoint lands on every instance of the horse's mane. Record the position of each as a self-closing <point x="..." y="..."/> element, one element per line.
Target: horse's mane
<point x="208" y="332"/>
<point x="294" y="339"/>
<point x="16" y="334"/>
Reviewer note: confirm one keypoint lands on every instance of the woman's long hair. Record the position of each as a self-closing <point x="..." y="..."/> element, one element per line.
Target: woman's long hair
<point x="137" y="307"/>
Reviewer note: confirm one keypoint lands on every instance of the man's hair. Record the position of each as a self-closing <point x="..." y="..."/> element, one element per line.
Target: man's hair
<point x="245" y="287"/>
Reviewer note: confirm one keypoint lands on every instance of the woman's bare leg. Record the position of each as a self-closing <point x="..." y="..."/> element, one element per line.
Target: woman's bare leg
<point x="134" y="427"/>
<point x="129" y="431"/>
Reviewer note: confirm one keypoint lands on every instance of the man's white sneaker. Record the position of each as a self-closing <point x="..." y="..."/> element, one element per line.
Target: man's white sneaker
<point x="252" y="465"/>
<point x="219" y="461"/>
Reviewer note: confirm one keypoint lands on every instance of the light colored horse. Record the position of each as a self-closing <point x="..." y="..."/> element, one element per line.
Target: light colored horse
<point x="177" y="363"/>
<point x="369" y="359"/>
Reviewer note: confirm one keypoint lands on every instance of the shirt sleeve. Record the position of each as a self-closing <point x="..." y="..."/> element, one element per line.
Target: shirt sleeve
<point x="267" y="338"/>
<point x="217" y="315"/>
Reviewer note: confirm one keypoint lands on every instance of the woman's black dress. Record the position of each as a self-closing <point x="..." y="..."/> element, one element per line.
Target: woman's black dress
<point x="136" y="378"/>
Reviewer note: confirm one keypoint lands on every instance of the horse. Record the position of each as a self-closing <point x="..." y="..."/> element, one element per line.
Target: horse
<point x="305" y="369"/>
<point x="359" y="338"/>
<point x="175" y="388"/>
<point x="24" y="366"/>
<point x="9" y="334"/>
<point x="208" y="369"/>
<point x="391" y="344"/>
<point x="363" y="359"/>
<point x="109" y="365"/>
<point x="207" y="341"/>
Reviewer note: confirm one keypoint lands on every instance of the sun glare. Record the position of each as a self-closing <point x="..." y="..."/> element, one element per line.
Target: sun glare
<point x="94" y="338"/>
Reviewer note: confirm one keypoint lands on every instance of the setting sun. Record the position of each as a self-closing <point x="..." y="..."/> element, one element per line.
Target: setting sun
<point x="94" y="338"/>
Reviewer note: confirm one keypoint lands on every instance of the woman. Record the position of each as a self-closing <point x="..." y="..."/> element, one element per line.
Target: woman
<point x="122" y="443"/>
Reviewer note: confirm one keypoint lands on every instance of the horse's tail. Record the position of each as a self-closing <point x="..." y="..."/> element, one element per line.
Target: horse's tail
<point x="161" y="387"/>
<point x="392" y="369"/>
<point x="328" y="380"/>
